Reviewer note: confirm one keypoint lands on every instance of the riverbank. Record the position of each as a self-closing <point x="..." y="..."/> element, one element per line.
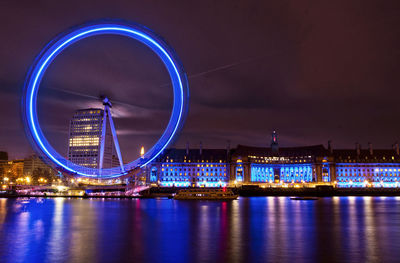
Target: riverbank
<point x="250" y="191"/>
<point x="247" y="191"/>
<point x="319" y="192"/>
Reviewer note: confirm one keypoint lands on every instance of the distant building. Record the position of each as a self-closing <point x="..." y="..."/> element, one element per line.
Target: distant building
<point x="35" y="163"/>
<point x="367" y="167"/>
<point x="3" y="162"/>
<point x="84" y="140"/>
<point x="13" y="169"/>
<point x="286" y="165"/>
<point x="278" y="166"/>
<point x="184" y="167"/>
<point x="3" y="156"/>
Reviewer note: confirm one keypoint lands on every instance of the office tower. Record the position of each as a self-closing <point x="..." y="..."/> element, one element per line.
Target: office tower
<point x="85" y="140"/>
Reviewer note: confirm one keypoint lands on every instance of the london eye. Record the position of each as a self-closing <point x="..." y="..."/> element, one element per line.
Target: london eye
<point x="47" y="55"/>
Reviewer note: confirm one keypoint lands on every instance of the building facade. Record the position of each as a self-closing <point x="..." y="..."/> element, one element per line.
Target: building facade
<point x="367" y="168"/>
<point x="34" y="164"/>
<point x="12" y="170"/>
<point x="197" y="168"/>
<point x="284" y="165"/>
<point x="277" y="167"/>
<point x="85" y="138"/>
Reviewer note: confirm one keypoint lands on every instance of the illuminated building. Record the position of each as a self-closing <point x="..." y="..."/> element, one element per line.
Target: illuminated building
<point x="184" y="167"/>
<point x="13" y="169"/>
<point x="3" y="163"/>
<point x="278" y="166"/>
<point x="85" y="140"/>
<point x="288" y="165"/>
<point x="367" y="167"/>
<point x="34" y="163"/>
<point x="255" y="165"/>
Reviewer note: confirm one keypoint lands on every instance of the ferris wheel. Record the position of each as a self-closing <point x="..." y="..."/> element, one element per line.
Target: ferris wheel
<point x="135" y="31"/>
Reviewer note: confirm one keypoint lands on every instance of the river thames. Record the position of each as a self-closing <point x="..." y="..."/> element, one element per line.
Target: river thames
<point x="256" y="229"/>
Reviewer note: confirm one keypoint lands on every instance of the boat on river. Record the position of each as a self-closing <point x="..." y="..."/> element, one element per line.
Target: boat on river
<point x="304" y="198"/>
<point x="206" y="194"/>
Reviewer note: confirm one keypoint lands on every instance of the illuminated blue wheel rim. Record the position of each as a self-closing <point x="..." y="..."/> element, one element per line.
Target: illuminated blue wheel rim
<point x="114" y="27"/>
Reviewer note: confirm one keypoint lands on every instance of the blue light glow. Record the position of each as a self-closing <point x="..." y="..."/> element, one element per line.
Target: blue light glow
<point x="192" y="174"/>
<point x="239" y="171"/>
<point x="137" y="32"/>
<point x="264" y="173"/>
<point x="385" y="175"/>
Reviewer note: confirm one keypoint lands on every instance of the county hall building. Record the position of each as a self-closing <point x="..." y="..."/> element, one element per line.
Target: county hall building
<point x="277" y="166"/>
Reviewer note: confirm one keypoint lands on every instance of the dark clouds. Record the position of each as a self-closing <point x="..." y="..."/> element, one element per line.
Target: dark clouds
<point x="312" y="70"/>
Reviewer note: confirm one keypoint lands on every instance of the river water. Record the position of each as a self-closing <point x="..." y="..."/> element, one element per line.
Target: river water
<point x="257" y="229"/>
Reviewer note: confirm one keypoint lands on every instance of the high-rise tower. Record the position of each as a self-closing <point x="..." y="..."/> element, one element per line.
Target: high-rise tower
<point x="85" y="133"/>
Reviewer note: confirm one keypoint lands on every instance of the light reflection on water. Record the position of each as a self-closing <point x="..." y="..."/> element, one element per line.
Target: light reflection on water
<point x="259" y="229"/>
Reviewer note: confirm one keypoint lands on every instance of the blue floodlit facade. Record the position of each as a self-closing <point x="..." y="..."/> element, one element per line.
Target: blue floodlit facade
<point x="288" y="173"/>
<point x="368" y="175"/>
<point x="258" y="165"/>
<point x="110" y="27"/>
<point x="195" y="168"/>
<point x="246" y="165"/>
<point x="239" y="171"/>
<point x="367" y="168"/>
<point x="197" y="174"/>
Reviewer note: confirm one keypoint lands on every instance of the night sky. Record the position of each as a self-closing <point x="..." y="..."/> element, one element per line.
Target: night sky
<point x="311" y="70"/>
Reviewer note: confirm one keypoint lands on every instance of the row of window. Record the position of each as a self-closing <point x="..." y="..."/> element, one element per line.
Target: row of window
<point x="192" y="165"/>
<point x="187" y="179"/>
<point x="194" y="174"/>
<point x="364" y="179"/>
<point x="194" y="170"/>
<point x="194" y="161"/>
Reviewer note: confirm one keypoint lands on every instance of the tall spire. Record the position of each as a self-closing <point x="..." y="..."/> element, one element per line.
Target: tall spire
<point x="274" y="142"/>
<point x="330" y="149"/>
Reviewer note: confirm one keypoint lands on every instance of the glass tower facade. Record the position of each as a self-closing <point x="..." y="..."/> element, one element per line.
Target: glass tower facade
<point x="85" y="138"/>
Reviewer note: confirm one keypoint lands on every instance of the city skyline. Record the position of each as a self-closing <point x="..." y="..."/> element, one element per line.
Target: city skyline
<point x="199" y="131"/>
<point x="309" y="77"/>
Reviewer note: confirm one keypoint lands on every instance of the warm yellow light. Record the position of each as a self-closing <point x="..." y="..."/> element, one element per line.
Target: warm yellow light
<point x="6" y="179"/>
<point x="142" y="151"/>
<point x="61" y="188"/>
<point x="27" y="179"/>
